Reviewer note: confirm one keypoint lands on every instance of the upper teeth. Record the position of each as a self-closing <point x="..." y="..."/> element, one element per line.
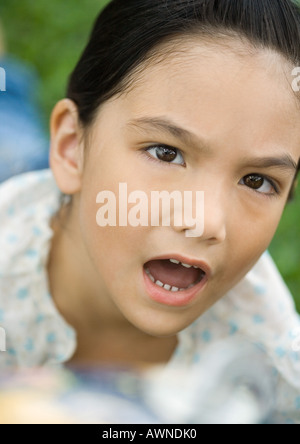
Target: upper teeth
<point x="174" y="261"/>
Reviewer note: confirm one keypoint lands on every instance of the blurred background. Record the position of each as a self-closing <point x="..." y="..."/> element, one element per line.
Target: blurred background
<point x="50" y="36"/>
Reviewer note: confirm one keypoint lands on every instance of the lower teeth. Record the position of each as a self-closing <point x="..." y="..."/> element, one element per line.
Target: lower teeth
<point x="166" y="286"/>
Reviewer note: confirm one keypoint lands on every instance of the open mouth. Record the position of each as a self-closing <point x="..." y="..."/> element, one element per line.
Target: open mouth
<point x="173" y="275"/>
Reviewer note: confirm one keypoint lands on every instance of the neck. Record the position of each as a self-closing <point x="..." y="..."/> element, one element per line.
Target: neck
<point x="104" y="335"/>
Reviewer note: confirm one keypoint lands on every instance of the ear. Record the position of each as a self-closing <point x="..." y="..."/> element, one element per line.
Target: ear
<point x="66" y="150"/>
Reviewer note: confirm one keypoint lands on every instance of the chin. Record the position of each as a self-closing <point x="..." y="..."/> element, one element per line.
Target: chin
<point x="161" y="326"/>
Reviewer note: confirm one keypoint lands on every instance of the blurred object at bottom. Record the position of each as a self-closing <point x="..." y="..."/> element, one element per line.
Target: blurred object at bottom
<point x="233" y="384"/>
<point x="49" y="396"/>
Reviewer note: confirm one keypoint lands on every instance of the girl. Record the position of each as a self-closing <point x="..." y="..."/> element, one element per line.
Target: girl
<point x="172" y="95"/>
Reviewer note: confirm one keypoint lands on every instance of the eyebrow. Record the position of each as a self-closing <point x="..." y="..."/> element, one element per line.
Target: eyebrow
<point x="170" y="128"/>
<point x="284" y="162"/>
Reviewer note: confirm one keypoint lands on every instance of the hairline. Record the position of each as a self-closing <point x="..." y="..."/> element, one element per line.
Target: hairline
<point x="171" y="46"/>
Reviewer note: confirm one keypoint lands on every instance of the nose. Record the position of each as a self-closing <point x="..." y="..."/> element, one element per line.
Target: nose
<point x="205" y="214"/>
<point x="215" y="216"/>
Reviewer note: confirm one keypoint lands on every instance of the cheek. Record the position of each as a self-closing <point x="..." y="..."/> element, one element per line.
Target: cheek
<point x="114" y="250"/>
<point x="105" y="245"/>
<point x="248" y="242"/>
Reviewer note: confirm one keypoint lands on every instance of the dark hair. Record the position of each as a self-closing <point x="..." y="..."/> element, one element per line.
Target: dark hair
<point x="127" y="31"/>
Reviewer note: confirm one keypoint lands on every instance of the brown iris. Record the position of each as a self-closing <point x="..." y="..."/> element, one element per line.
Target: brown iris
<point x="166" y="154"/>
<point x="254" y="182"/>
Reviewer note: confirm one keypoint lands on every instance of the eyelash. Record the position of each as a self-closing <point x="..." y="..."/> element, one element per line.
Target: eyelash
<point x="162" y="145"/>
<point x="276" y="193"/>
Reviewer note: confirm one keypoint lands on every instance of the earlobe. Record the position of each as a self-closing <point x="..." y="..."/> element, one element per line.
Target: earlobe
<point x="66" y="150"/>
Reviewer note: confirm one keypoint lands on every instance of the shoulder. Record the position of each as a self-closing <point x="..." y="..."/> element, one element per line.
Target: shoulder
<point x="264" y="291"/>
<point x="26" y="205"/>
<point x="35" y="331"/>
<point x="15" y="190"/>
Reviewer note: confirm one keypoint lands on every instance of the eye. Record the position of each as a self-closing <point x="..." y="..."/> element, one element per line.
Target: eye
<point x="260" y="184"/>
<point x="166" y="154"/>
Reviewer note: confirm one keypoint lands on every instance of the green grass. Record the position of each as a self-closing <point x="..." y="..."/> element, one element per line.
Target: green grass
<point x="285" y="247"/>
<point x="52" y="34"/>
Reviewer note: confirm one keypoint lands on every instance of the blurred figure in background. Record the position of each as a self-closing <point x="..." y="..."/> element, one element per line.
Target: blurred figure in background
<point x="23" y="143"/>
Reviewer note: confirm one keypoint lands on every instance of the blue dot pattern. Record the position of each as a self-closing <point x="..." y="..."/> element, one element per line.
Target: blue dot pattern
<point x="206" y="336"/>
<point x="233" y="328"/>
<point x="280" y="352"/>
<point x="31" y="253"/>
<point x="22" y="293"/>
<point x="258" y="319"/>
<point x="260" y="289"/>
<point x="12" y="352"/>
<point x="259" y="310"/>
<point x="36" y="334"/>
<point x="51" y="338"/>
<point x="29" y="344"/>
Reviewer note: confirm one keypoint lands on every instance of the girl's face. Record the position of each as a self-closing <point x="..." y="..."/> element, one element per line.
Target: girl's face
<point x="202" y="120"/>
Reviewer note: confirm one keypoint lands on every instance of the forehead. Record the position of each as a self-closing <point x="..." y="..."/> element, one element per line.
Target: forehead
<point x="230" y="63"/>
<point x="228" y="91"/>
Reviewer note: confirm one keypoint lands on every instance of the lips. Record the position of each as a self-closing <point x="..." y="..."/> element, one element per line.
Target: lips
<point x="173" y="275"/>
<point x="175" y="280"/>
